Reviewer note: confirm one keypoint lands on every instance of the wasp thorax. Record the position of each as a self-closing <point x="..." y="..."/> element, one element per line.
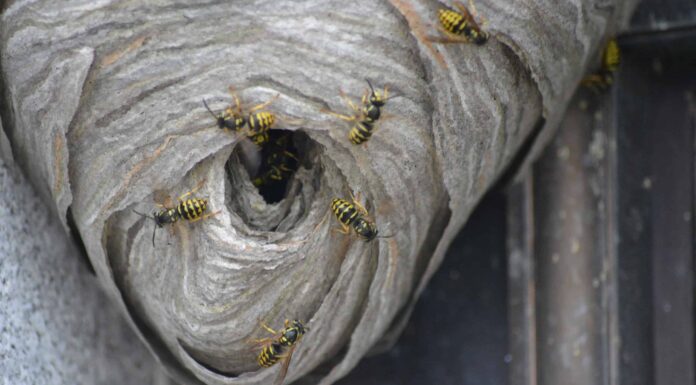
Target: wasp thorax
<point x="291" y="335"/>
<point x="372" y="112"/>
<point x="365" y="229"/>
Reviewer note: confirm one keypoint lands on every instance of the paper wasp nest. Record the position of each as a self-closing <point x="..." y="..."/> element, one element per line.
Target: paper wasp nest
<point x="103" y="109"/>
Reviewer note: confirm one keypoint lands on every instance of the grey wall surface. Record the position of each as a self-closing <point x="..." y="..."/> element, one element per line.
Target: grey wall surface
<point x="56" y="325"/>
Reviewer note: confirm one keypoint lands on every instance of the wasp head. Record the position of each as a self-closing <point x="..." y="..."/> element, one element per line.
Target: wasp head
<point x="376" y="98"/>
<point x="231" y="119"/>
<point x="165" y="216"/>
<point x="480" y="38"/>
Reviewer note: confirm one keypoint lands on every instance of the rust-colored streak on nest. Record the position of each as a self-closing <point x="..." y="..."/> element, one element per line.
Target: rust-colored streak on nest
<point x="418" y="28"/>
<point x="136" y="169"/>
<point x="393" y="250"/>
<point x="58" y="144"/>
<point x="115" y="56"/>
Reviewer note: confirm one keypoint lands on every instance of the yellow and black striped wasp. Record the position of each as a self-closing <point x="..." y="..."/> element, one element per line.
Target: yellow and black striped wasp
<point x="257" y="123"/>
<point x="280" y="162"/>
<point x="461" y="26"/>
<point x="366" y="116"/>
<point x="603" y="79"/>
<point x="354" y="215"/>
<point x="189" y="209"/>
<point x="280" y="347"/>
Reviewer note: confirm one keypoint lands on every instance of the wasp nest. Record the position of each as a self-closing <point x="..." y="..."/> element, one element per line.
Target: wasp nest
<point x="103" y="109"/>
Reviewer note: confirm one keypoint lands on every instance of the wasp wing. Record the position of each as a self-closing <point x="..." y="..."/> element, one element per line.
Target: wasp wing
<point x="250" y="156"/>
<point x="284" y="369"/>
<point x="162" y="198"/>
<point x="467" y="14"/>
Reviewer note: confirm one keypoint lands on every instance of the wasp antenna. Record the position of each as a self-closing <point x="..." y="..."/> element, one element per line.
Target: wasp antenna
<point x="143" y="215"/>
<point x="154" y="229"/>
<point x="209" y="110"/>
<point x="370" y="84"/>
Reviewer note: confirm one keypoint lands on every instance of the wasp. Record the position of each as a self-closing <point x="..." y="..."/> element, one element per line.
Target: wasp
<point x="354" y="215"/>
<point x="190" y="209"/>
<point x="461" y="26"/>
<point x="602" y="80"/>
<point x="279" y="166"/>
<point x="281" y="346"/>
<point x="257" y="123"/>
<point x="281" y="162"/>
<point x="366" y="116"/>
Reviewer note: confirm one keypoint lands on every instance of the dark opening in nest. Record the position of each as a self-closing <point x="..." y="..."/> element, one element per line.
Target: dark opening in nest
<point x="279" y="161"/>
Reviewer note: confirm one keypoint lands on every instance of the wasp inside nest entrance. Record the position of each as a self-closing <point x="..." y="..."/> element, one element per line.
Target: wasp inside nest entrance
<point x="271" y="186"/>
<point x="279" y="160"/>
<point x="271" y="165"/>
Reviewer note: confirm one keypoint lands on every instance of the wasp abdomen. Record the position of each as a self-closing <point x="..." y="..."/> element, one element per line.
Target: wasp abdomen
<point x="344" y="211"/>
<point x="269" y="355"/>
<point x="190" y="209"/>
<point x="361" y="132"/>
<point x="452" y="21"/>
<point x="261" y="121"/>
<point x="603" y="79"/>
<point x="612" y="56"/>
<point x="260" y="139"/>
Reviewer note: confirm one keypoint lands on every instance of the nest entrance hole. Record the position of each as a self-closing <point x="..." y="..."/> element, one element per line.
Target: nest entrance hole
<point x="279" y="159"/>
<point x="272" y="185"/>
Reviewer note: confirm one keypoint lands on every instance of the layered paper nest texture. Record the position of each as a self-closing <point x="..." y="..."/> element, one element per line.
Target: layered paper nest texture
<point x="103" y="111"/>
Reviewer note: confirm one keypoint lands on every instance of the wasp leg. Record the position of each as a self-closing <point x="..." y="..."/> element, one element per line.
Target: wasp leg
<point x="256" y="343"/>
<point x="181" y="198"/>
<point x="205" y="216"/>
<point x="198" y="187"/>
<point x="263" y="105"/>
<point x="268" y="328"/>
<point x="594" y="83"/>
<point x="475" y="13"/>
<point x="348" y="101"/>
<point x="471" y="11"/>
<point x="289" y="121"/>
<point x="357" y="205"/>
<point x="340" y="116"/>
<point x="233" y="93"/>
<point x="246" y="131"/>
<point x="345" y="229"/>
<point x="290" y="155"/>
<point x="592" y="79"/>
<point x="467" y="12"/>
<point x="261" y="341"/>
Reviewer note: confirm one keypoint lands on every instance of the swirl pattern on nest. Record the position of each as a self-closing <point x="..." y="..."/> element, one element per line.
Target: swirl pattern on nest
<point x="106" y="115"/>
